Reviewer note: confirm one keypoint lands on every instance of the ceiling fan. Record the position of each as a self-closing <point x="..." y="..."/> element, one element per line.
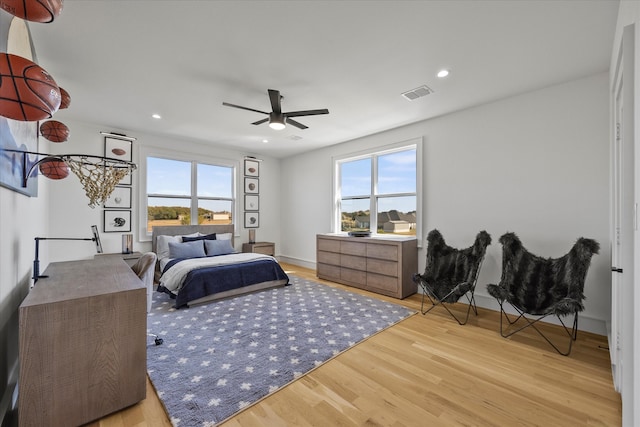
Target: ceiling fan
<point x="277" y="118"/>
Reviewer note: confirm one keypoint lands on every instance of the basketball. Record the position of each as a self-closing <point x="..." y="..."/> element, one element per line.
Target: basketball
<point x="33" y="10"/>
<point x="27" y="92"/>
<point x="65" y="99"/>
<point x="54" y="131"/>
<point x="54" y="168"/>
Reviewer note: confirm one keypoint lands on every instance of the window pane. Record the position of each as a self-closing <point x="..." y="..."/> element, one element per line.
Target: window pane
<point x="162" y="211"/>
<point x="214" y="212"/>
<point x="355" y="178"/>
<point x="397" y="172"/>
<point x="215" y="181"/>
<point x="397" y="215"/>
<point x="355" y="215"/>
<point x="170" y="177"/>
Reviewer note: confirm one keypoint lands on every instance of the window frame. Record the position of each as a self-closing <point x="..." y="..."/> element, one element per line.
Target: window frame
<point x="146" y="152"/>
<point x="374" y="153"/>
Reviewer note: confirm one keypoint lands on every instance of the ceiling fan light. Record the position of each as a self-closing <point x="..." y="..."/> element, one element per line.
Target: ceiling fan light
<point x="276" y="123"/>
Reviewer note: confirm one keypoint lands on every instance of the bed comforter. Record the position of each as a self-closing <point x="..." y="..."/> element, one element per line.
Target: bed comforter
<point x="194" y="278"/>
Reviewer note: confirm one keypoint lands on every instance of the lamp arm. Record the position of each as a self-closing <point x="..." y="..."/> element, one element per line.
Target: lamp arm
<point x="36" y="260"/>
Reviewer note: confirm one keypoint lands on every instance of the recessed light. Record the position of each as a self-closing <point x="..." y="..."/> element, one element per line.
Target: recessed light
<point x="443" y="73"/>
<point x="265" y="141"/>
<point x="156" y="116"/>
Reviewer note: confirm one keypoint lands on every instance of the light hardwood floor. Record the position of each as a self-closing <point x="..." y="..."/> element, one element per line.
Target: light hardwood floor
<point x="430" y="371"/>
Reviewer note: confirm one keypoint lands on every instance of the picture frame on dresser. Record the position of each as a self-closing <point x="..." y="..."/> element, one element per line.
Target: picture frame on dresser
<point x="120" y="149"/>
<point x="117" y="221"/>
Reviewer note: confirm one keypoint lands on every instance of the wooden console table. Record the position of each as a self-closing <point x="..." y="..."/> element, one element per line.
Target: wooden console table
<point x="82" y="341"/>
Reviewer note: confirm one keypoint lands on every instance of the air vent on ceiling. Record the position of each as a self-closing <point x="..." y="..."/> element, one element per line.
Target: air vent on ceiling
<point x="295" y="137"/>
<point x="418" y="92"/>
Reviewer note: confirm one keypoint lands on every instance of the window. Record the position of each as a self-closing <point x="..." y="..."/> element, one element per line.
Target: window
<point x="183" y="192"/>
<point x="378" y="191"/>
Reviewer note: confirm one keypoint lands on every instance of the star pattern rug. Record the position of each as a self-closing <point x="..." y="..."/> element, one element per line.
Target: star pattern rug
<point x="221" y="357"/>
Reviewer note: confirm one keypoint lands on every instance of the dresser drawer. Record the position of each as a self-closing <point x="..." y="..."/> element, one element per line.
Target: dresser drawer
<point x="354" y="248"/>
<point x="354" y="262"/>
<point x="328" y="258"/>
<point x="357" y="277"/>
<point x="326" y="271"/>
<point x="328" y="245"/>
<point x="388" y="268"/>
<point x="382" y="251"/>
<point x="383" y="284"/>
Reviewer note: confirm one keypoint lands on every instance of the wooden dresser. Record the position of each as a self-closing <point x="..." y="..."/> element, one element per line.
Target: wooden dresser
<point x="82" y="342"/>
<point x="384" y="265"/>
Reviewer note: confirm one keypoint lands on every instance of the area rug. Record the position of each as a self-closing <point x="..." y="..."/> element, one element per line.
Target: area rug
<point x="221" y="357"/>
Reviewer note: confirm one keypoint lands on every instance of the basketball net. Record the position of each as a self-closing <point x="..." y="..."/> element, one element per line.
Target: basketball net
<point x="98" y="175"/>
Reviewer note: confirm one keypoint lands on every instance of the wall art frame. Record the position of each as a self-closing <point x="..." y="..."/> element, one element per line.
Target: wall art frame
<point x="251" y="167"/>
<point x="251" y="185"/>
<point x="120" y="198"/>
<point x="117" y="221"/>
<point x="251" y="202"/>
<point x="120" y="149"/>
<point x="251" y="220"/>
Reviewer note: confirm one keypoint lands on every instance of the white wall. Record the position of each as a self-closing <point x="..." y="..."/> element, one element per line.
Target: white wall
<point x="535" y="164"/>
<point x="70" y="215"/>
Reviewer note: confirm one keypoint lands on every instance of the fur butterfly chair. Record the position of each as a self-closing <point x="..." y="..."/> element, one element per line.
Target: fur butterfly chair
<point x="538" y="287"/>
<point x="451" y="273"/>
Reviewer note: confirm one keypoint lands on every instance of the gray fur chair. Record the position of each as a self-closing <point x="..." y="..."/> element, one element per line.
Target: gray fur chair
<point x="538" y="287"/>
<point x="451" y="273"/>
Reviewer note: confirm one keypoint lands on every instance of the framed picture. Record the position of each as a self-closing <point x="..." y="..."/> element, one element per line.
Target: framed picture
<point x="15" y="138"/>
<point x="251" y="185"/>
<point x="251" y="167"/>
<point x="117" y="221"/>
<point x="120" y="149"/>
<point x="120" y="198"/>
<point x="251" y="202"/>
<point x="251" y="220"/>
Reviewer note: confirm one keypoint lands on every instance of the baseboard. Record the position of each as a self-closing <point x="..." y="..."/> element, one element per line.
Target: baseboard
<point x="297" y="261"/>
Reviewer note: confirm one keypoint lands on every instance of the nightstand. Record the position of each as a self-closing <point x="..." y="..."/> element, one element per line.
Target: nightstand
<point x="130" y="259"/>
<point x="267" y="248"/>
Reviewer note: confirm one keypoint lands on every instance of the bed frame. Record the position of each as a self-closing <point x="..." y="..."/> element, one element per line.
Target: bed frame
<point x="179" y="230"/>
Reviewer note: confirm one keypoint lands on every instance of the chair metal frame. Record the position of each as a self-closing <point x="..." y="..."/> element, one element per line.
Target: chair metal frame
<point x="469" y="294"/>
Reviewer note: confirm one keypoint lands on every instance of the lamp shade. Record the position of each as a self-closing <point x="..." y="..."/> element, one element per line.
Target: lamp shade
<point x="276" y="121"/>
<point x="54" y="131"/>
<point x="33" y="10"/>
<point x="27" y="92"/>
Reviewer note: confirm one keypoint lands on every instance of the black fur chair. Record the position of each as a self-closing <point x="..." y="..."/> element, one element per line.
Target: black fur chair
<point x="538" y="287"/>
<point x="451" y="273"/>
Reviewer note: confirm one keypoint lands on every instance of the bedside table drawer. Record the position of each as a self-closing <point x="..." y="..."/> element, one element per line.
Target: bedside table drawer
<point x="266" y="248"/>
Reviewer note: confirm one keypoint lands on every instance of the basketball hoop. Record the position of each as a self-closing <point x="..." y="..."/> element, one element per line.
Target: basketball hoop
<point x="98" y="175"/>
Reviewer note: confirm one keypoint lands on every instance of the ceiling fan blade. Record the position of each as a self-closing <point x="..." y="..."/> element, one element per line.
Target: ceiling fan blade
<point x="306" y="113"/>
<point x="259" y="122"/>
<point x="296" y="124"/>
<point x="226" y="104"/>
<point x="274" y="97"/>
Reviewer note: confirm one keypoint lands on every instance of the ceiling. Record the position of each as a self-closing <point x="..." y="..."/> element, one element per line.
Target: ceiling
<point x="123" y="61"/>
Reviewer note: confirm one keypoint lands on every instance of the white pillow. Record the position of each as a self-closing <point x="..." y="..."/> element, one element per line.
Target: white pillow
<point x="224" y="236"/>
<point x="162" y="243"/>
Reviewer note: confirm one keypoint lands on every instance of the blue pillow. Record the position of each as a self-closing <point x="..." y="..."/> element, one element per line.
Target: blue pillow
<point x="211" y="236"/>
<point x="218" y="247"/>
<point x="187" y="249"/>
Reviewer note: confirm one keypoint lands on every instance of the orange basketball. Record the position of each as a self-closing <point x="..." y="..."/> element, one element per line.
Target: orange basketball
<point x="33" y="10"/>
<point x="54" y="131"/>
<point x="65" y="99"/>
<point x="54" y="168"/>
<point x="27" y="92"/>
